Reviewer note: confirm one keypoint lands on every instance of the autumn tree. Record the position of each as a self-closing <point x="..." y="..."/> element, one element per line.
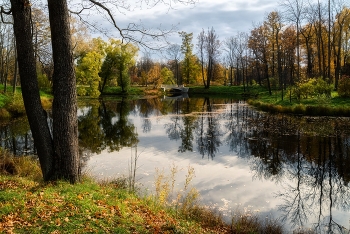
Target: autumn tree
<point x="295" y="11"/>
<point x="340" y="29"/>
<point x="274" y="26"/>
<point x="154" y="75"/>
<point x="258" y="43"/>
<point x="144" y="66"/>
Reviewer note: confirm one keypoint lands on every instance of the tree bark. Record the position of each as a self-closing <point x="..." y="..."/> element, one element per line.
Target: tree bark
<point x="64" y="107"/>
<point x="30" y="91"/>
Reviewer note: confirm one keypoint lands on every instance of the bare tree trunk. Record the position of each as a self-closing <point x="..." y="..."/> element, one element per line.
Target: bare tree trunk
<point x="64" y="107"/>
<point x="30" y="90"/>
<point x="14" y="83"/>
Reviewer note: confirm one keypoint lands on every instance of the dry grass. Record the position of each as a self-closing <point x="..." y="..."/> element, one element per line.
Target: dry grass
<point x="24" y="166"/>
<point x="246" y="224"/>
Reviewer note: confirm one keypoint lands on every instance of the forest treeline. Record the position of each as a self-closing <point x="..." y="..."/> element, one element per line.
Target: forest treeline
<point x="303" y="48"/>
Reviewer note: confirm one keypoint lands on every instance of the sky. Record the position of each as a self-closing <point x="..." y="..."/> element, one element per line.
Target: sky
<point x="227" y="17"/>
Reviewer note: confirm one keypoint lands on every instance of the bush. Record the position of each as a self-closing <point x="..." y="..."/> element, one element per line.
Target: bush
<point x="344" y="86"/>
<point x="314" y="87"/>
<point x="322" y="87"/>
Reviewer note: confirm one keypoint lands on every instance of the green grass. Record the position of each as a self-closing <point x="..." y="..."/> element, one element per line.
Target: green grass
<point x="28" y="205"/>
<point x="313" y="106"/>
<point x="11" y="105"/>
<point x="3" y="100"/>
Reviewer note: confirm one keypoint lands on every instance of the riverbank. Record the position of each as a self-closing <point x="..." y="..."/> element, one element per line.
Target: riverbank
<point x="12" y="106"/>
<point x="29" y="205"/>
<point x="259" y="97"/>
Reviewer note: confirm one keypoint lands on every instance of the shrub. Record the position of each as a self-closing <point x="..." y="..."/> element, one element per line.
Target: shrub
<point x="344" y="86"/>
<point x="306" y="89"/>
<point x="314" y="87"/>
<point x="322" y="87"/>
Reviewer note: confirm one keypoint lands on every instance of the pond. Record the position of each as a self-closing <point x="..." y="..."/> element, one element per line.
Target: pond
<point x="290" y="168"/>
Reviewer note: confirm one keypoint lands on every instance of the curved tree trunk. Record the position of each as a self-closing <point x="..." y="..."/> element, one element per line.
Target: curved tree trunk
<point x="64" y="107"/>
<point x="30" y="91"/>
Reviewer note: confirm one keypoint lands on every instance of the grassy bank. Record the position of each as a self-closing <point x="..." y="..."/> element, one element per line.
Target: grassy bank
<point x="11" y="104"/>
<point x="259" y="97"/>
<point x="311" y="106"/>
<point x="29" y="205"/>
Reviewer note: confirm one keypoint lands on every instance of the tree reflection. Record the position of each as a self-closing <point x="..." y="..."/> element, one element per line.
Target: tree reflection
<point x="208" y="131"/>
<point x="188" y="129"/>
<point x="173" y="129"/>
<point x="318" y="186"/>
<point x="309" y="157"/>
<point x="102" y="127"/>
<point x="17" y="137"/>
<point x="148" y="108"/>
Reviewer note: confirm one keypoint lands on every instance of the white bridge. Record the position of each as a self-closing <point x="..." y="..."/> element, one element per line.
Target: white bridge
<point x="174" y="88"/>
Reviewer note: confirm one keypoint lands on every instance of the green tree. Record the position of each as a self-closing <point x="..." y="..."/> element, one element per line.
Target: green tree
<point x="188" y="62"/>
<point x="87" y="72"/>
<point x="167" y="76"/>
<point x="119" y="59"/>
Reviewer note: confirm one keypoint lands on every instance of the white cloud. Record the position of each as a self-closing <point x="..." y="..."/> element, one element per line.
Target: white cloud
<point x="227" y="17"/>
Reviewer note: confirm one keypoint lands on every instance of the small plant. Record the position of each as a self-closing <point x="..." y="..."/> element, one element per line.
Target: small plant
<point x="185" y="198"/>
<point x="248" y="223"/>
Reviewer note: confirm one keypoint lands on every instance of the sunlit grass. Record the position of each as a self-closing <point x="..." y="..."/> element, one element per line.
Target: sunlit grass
<point x="11" y="104"/>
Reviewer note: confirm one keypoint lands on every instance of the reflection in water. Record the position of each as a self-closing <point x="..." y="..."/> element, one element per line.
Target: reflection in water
<point x="315" y="158"/>
<point x="105" y="125"/>
<point x="307" y="158"/>
<point x="208" y="131"/>
<point x="17" y="137"/>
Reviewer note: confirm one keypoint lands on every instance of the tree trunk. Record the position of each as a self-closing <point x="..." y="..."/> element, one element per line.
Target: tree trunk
<point x="30" y="91"/>
<point x="64" y="107"/>
<point x="15" y="72"/>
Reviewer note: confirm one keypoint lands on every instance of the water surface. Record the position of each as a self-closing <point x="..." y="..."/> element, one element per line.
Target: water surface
<point x="294" y="169"/>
